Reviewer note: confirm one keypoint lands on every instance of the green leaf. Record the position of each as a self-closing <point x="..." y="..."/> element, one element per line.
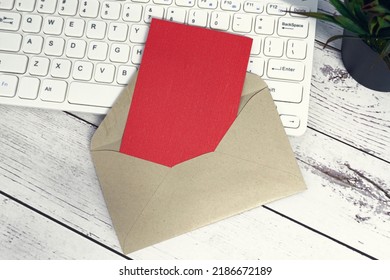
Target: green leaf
<point x="386" y="50"/>
<point x="316" y="15"/>
<point x="349" y="25"/>
<point x="340" y="7"/>
<point x="338" y="37"/>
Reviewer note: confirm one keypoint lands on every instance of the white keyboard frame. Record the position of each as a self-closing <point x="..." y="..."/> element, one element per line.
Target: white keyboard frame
<point x="287" y="110"/>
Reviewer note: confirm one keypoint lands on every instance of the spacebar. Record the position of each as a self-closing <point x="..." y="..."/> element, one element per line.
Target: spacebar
<point x="93" y="94"/>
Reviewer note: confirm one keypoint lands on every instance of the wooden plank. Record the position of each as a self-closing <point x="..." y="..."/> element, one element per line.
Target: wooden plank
<point x="348" y="196"/>
<point x="45" y="160"/>
<point x="27" y="235"/>
<point x="343" y="109"/>
<point x="47" y="164"/>
<point x="325" y="30"/>
<point x="255" y="234"/>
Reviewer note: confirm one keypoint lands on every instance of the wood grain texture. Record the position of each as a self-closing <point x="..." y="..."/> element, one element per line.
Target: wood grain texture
<point x="45" y="161"/>
<point x="255" y="234"/>
<point x="348" y="196"/>
<point x="29" y="236"/>
<point x="343" y="109"/>
<point x="47" y="164"/>
<point x="344" y="157"/>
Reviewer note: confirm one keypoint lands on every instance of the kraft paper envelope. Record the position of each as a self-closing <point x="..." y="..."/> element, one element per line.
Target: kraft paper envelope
<point x="149" y="202"/>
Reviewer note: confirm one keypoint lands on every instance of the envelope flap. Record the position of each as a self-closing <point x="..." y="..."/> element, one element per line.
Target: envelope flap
<point x="257" y="134"/>
<point x="109" y="134"/>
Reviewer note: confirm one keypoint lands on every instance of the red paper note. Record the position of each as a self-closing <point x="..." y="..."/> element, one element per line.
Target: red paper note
<point x="187" y="92"/>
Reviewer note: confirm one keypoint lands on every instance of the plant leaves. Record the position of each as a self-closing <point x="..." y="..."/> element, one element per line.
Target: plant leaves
<point x="340" y="7"/>
<point x="350" y="25"/>
<point x="316" y="15"/>
<point x="338" y="37"/>
<point x="386" y="50"/>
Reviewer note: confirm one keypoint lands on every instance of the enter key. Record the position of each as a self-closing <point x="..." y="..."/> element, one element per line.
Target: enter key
<point x="286" y="70"/>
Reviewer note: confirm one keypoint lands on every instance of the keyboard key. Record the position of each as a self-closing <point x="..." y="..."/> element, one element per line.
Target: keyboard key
<point x="117" y="32"/>
<point x="230" y="5"/>
<point x="10" y="41"/>
<point x="185" y="3"/>
<point x="120" y="53"/>
<point x="53" y="90"/>
<point x="32" y="24"/>
<point x="208" y="4"/>
<point x="68" y="7"/>
<point x="9" y="21"/>
<point x="132" y="12"/>
<point x="39" y="66"/>
<point x="242" y="23"/>
<point x="93" y="94"/>
<point x="292" y="27"/>
<point x="46" y="6"/>
<point x="53" y="25"/>
<point x="8" y="85"/>
<point x="176" y="15"/>
<point x="277" y="9"/>
<point x="264" y="25"/>
<point x="220" y="21"/>
<point x="89" y="8"/>
<point x="32" y="44"/>
<point x="285" y="92"/>
<point x="13" y="63"/>
<point x="82" y="70"/>
<point x="296" y="49"/>
<point x="60" y="68"/>
<point x="6" y="4"/>
<point x="76" y="48"/>
<point x="162" y="2"/>
<point x="256" y="66"/>
<point x="28" y="88"/>
<point x="111" y="10"/>
<point x="290" y="121"/>
<point x="25" y="6"/>
<point x="96" y="29"/>
<point x="198" y="18"/>
<point x="256" y="45"/>
<point x="300" y="9"/>
<point x="139" y="33"/>
<point x="74" y="27"/>
<point x="253" y="7"/>
<point x="136" y="55"/>
<point x="104" y="73"/>
<point x="273" y="46"/>
<point x="54" y="46"/>
<point x="286" y="70"/>
<point x="125" y="73"/>
<point x="97" y="50"/>
<point x="153" y="12"/>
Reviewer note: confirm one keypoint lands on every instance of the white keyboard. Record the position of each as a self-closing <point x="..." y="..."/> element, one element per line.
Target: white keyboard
<point x="77" y="55"/>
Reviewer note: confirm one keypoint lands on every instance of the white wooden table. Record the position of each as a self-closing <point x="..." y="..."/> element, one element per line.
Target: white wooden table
<point x="51" y="206"/>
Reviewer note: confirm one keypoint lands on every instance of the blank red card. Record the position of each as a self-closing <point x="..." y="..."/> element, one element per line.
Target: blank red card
<point x="187" y="92"/>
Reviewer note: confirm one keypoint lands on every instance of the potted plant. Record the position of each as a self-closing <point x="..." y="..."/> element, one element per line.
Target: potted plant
<point x="366" y="39"/>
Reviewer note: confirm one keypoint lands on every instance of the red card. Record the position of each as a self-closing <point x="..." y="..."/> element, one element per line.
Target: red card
<point x="187" y="92"/>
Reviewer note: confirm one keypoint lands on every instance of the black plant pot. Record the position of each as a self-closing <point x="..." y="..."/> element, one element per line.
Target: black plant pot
<point x="364" y="64"/>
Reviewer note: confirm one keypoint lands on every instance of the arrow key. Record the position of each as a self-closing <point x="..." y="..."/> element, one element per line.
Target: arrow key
<point x="290" y="121"/>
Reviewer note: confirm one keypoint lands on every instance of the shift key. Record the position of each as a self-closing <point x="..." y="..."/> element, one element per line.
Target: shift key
<point x="13" y="63"/>
<point x="286" y="70"/>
